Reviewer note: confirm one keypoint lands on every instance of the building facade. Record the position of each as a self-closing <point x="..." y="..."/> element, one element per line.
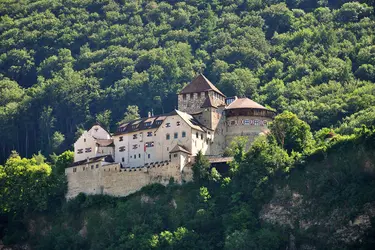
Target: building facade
<point x="159" y="149"/>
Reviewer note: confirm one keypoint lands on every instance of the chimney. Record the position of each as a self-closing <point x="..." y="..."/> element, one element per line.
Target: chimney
<point x="149" y="114"/>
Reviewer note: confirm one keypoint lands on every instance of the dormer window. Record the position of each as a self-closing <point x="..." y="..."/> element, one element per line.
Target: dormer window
<point x="147" y="124"/>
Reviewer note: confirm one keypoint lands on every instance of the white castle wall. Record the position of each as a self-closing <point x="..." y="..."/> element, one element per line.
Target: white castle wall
<point x="112" y="180"/>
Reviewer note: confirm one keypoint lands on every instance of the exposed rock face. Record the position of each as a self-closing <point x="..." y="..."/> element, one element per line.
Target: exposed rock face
<point x="289" y="209"/>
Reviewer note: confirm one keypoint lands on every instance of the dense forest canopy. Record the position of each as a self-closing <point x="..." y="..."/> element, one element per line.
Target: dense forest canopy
<point x="66" y="64"/>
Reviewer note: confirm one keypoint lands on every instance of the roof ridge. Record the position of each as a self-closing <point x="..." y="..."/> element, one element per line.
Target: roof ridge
<point x="200" y="84"/>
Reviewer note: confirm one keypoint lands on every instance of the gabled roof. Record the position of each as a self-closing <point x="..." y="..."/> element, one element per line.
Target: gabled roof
<point x="208" y="103"/>
<point x="180" y="148"/>
<point x="244" y="103"/>
<point x="190" y="120"/>
<point x="104" y="142"/>
<point x="200" y="84"/>
<point x="106" y="158"/>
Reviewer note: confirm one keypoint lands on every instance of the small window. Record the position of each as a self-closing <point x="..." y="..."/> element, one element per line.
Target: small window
<point x="256" y="122"/>
<point x="175" y="155"/>
<point x="121" y="138"/>
<point x="178" y="123"/>
<point x="148" y="156"/>
<point x="199" y="95"/>
<point x="147" y="124"/>
<point x="135" y="146"/>
<point x="74" y="170"/>
<point x="149" y="134"/>
<point x="184" y="96"/>
<point x="87" y="150"/>
<point x="122" y="148"/>
<point x="197" y="135"/>
<point x="191" y="95"/>
<point x="135" y="136"/>
<point x="83" y="168"/>
<point x="167" y="136"/>
<point x="206" y="94"/>
<point x="97" y="165"/>
<point x="167" y="148"/>
<point x="246" y="122"/>
<point x="122" y="159"/>
<point x="92" y="166"/>
<point x="135" y="156"/>
<point x="170" y="156"/>
<point x="265" y="123"/>
<point x="201" y="136"/>
<point x="183" y="134"/>
<point x="79" y="151"/>
<point x="167" y="125"/>
<point x="233" y="123"/>
<point x="84" y="140"/>
<point x="139" y="155"/>
<point x="176" y="135"/>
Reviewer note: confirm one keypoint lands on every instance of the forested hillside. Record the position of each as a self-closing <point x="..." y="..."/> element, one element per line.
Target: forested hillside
<point x="66" y="64"/>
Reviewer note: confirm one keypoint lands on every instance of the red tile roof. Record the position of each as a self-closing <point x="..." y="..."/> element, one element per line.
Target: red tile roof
<point x="200" y="84"/>
<point x="244" y="103"/>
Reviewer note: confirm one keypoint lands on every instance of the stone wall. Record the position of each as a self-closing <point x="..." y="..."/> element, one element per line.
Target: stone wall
<point x="113" y="180"/>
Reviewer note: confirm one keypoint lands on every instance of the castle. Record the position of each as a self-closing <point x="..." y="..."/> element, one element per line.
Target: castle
<point x="157" y="149"/>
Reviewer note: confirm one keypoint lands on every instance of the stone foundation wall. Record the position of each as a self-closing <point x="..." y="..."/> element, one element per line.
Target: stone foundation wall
<point x="112" y="180"/>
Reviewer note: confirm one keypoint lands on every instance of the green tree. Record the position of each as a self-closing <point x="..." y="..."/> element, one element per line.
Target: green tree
<point x="291" y="133"/>
<point x="201" y="168"/>
<point x="130" y="114"/>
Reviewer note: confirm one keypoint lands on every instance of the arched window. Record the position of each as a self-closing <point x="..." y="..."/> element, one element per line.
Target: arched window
<point x="167" y="136"/>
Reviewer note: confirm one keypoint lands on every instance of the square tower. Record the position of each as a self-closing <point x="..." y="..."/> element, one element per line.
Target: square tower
<point x="193" y="96"/>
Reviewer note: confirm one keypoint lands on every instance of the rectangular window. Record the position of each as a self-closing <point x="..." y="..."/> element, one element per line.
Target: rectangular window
<point x="149" y="144"/>
<point x="149" y="156"/>
<point x="206" y="94"/>
<point x="139" y="155"/>
<point x="135" y="156"/>
<point x="233" y="123"/>
<point x="201" y="136"/>
<point x="122" y="159"/>
<point x="191" y="95"/>
<point x="199" y="95"/>
<point x="178" y="123"/>
<point x="256" y="122"/>
<point x="175" y="155"/>
<point x="175" y="135"/>
<point x="121" y="138"/>
<point x="97" y="165"/>
<point x="135" y="136"/>
<point x="74" y="170"/>
<point x="197" y="135"/>
<point x="149" y="134"/>
<point x="167" y="136"/>
<point x="79" y="151"/>
<point x="135" y="146"/>
<point x="246" y="122"/>
<point x="183" y="134"/>
<point x="122" y="148"/>
<point x="83" y="168"/>
<point x="147" y="124"/>
<point x="84" y="140"/>
<point x="167" y="125"/>
<point x="184" y="96"/>
<point x="87" y="150"/>
<point x="92" y="166"/>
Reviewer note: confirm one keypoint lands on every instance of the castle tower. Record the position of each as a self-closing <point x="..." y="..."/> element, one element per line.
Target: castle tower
<point x="192" y="97"/>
